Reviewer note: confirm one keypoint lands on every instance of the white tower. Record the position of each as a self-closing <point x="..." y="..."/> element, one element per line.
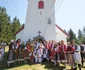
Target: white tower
<point x="37" y="20"/>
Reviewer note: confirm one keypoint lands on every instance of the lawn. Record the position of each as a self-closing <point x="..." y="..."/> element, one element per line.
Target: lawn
<point x="32" y="66"/>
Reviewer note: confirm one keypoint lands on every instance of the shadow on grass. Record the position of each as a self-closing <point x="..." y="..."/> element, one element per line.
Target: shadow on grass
<point x="49" y="66"/>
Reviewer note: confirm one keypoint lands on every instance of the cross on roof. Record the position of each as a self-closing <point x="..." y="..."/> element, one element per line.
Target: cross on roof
<point x="39" y="32"/>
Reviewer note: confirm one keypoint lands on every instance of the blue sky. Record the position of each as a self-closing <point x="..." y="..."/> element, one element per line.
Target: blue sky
<point x="71" y="14"/>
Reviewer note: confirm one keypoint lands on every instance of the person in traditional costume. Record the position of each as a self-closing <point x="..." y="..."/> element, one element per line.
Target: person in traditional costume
<point x="30" y="51"/>
<point x="21" y="54"/>
<point x="3" y="50"/>
<point x="18" y="42"/>
<point x="77" y="56"/>
<point x="3" y="44"/>
<point x="29" y="47"/>
<point x="0" y="54"/>
<point x="44" y="54"/>
<point x="82" y="53"/>
<point x="62" y="49"/>
<point x="49" y="45"/>
<point x="26" y="51"/>
<point x="84" y="50"/>
<point x="70" y="51"/>
<point x="36" y="55"/>
<point x="10" y="53"/>
<point x="14" y="49"/>
<point x="56" y="52"/>
<point x="52" y="55"/>
<point x="32" y="54"/>
<point x="40" y="54"/>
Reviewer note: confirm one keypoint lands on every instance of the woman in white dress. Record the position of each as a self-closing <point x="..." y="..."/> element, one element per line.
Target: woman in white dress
<point x="40" y="53"/>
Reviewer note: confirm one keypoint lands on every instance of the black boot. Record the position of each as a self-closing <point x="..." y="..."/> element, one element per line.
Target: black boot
<point x="79" y="65"/>
<point x="75" y="68"/>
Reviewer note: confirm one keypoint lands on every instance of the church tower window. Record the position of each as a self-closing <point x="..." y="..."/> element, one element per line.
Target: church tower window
<point x="40" y="5"/>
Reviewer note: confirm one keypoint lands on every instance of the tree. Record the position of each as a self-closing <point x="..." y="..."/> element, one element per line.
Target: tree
<point x="83" y="35"/>
<point x="84" y="31"/>
<point x="15" y="26"/>
<point x="8" y="28"/>
<point x="80" y="36"/>
<point x="72" y="35"/>
<point x="22" y="25"/>
<point x="65" y="31"/>
<point x="2" y="17"/>
<point x="5" y="26"/>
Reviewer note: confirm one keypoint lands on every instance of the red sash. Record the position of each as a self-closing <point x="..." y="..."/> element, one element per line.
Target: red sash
<point x="29" y="47"/>
<point x="62" y="48"/>
<point x="52" y="53"/>
<point x="18" y="45"/>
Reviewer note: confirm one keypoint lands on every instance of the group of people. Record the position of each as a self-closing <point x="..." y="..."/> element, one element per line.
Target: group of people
<point x="42" y="51"/>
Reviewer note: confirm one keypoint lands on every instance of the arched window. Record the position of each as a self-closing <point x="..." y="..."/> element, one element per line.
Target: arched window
<point x="40" y="5"/>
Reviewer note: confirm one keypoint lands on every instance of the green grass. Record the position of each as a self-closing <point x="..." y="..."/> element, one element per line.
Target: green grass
<point x="31" y="66"/>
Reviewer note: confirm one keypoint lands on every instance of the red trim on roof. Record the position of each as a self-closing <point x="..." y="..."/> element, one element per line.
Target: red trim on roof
<point x="19" y="30"/>
<point x="62" y="30"/>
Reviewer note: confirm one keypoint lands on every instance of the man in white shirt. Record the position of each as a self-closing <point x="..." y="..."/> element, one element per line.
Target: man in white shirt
<point x="77" y="55"/>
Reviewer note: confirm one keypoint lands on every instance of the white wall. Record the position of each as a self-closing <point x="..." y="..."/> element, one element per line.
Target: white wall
<point x="60" y="36"/>
<point x="36" y="22"/>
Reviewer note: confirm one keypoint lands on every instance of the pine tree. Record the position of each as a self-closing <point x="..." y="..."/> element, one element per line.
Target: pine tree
<point x="5" y="26"/>
<point x="80" y="36"/>
<point x="84" y="31"/>
<point x="8" y="28"/>
<point x="83" y="34"/>
<point x="65" y="31"/>
<point x="72" y="35"/>
<point x="15" y="26"/>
